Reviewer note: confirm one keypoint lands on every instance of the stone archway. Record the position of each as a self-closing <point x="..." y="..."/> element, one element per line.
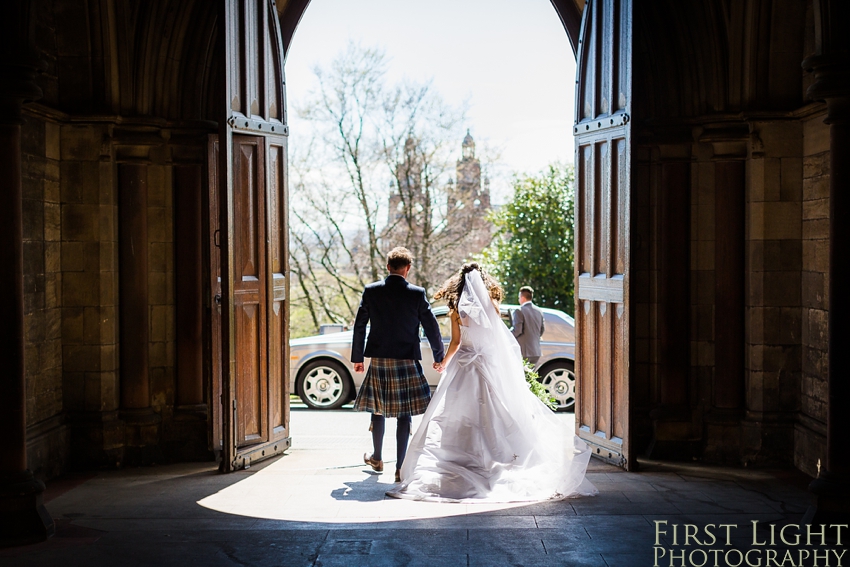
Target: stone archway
<point x="129" y="96"/>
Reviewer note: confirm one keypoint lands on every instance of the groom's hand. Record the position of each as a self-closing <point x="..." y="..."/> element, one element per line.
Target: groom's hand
<point x="359" y="367"/>
<point x="438" y="366"/>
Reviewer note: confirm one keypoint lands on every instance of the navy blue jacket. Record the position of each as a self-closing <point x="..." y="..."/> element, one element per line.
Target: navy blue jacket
<point x="395" y="309"/>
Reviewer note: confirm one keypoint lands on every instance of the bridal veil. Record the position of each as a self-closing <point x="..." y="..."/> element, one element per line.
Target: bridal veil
<point x="485" y="437"/>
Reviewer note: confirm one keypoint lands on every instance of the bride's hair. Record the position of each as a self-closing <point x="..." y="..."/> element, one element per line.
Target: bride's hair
<point x="453" y="287"/>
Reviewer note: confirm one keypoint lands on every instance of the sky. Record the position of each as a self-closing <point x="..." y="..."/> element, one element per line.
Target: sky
<point x="513" y="66"/>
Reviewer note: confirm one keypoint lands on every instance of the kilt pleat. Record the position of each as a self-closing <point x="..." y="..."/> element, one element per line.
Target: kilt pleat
<point x="394" y="388"/>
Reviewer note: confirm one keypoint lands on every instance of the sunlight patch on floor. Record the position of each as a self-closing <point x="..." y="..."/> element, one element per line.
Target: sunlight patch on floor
<point x="290" y="489"/>
<point x="323" y="479"/>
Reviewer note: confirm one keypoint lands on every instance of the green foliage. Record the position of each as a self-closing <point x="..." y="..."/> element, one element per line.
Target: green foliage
<point x="536" y="387"/>
<point x="534" y="239"/>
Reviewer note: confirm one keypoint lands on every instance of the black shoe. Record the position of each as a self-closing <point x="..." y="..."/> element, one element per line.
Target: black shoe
<point x="397" y="475"/>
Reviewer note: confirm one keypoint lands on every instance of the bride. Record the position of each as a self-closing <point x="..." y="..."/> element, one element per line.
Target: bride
<point x="485" y="436"/>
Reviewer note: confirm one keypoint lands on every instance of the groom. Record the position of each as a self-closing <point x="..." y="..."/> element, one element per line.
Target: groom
<point x="394" y="386"/>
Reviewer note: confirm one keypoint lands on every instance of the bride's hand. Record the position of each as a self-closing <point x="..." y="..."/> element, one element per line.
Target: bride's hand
<point x="438" y="367"/>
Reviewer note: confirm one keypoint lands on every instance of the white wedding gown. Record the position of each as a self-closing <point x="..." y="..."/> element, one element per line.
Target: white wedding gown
<point x="485" y="437"/>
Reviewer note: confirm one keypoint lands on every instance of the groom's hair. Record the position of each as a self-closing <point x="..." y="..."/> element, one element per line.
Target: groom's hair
<point x="526" y="292"/>
<point x="398" y="258"/>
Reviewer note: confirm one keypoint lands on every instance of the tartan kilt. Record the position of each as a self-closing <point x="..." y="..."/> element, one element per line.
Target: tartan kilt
<point x="393" y="388"/>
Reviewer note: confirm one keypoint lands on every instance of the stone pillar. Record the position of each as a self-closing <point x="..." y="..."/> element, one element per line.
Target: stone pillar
<point x="674" y="287"/>
<point x="23" y="517"/>
<point x="832" y="487"/>
<point x="720" y="293"/>
<point x="664" y="291"/>
<point x="729" y="198"/>
<point x="190" y="294"/>
<point x="773" y="313"/>
<point x="188" y="437"/>
<point x="141" y="440"/>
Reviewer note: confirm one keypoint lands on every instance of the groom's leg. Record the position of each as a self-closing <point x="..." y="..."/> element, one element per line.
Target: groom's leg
<point x="377" y="435"/>
<point x="402" y="434"/>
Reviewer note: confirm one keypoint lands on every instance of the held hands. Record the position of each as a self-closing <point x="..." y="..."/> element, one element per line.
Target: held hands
<point x="359" y="367"/>
<point x="438" y="366"/>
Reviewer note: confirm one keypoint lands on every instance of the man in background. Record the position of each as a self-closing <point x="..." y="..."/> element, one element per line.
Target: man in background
<point x="528" y="325"/>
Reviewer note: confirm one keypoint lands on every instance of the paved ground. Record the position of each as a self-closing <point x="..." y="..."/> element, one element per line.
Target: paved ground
<point x="320" y="506"/>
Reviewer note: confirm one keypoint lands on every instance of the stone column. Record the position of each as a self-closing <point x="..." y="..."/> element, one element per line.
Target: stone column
<point x="832" y="487"/>
<point x="662" y="288"/>
<point x="721" y="149"/>
<point x="771" y="363"/>
<point x="141" y="441"/>
<point x="674" y="287"/>
<point x="190" y="292"/>
<point x="729" y="197"/>
<point x="23" y="517"/>
<point x="189" y="431"/>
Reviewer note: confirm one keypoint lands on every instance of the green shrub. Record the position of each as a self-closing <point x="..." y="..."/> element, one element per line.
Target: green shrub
<point x="536" y="387"/>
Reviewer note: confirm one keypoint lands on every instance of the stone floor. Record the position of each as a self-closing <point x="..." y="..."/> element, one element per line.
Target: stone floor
<point x="320" y="506"/>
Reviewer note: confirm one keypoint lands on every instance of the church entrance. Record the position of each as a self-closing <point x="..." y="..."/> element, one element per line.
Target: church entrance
<point x="249" y="274"/>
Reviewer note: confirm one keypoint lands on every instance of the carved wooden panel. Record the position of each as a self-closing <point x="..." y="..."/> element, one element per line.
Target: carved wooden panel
<point x="603" y="138"/>
<point x="278" y="352"/>
<point x="256" y="91"/>
<point x="249" y="288"/>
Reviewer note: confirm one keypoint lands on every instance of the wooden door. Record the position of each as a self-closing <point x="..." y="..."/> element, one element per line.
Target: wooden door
<point x="215" y="368"/>
<point x="603" y="158"/>
<point x="254" y="248"/>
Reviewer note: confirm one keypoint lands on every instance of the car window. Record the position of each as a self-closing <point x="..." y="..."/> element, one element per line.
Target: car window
<point x="557" y="330"/>
<point x="445" y="324"/>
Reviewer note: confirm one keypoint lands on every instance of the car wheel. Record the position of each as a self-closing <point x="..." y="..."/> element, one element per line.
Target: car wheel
<point x="560" y="379"/>
<point x="324" y="384"/>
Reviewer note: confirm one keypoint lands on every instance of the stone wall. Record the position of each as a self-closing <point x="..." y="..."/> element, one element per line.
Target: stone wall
<point x="71" y="265"/>
<point x="773" y="313"/>
<point x="810" y="431"/>
<point x="717" y="444"/>
<point x="769" y="408"/>
<point x="90" y="293"/>
<point x="47" y="438"/>
<point x="161" y="288"/>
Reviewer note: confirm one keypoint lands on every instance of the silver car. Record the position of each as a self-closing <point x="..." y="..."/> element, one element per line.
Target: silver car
<point x="324" y="377"/>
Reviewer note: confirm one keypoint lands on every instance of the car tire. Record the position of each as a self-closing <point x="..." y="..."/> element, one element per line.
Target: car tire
<point x="560" y="379"/>
<point x="324" y="384"/>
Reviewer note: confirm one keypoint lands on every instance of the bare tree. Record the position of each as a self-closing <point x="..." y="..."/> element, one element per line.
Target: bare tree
<point x="376" y="175"/>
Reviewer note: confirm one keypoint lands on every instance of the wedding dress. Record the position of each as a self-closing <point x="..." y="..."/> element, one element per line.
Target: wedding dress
<point x="485" y="437"/>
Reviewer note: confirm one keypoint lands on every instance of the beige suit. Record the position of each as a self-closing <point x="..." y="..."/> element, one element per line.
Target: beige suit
<point x="528" y="328"/>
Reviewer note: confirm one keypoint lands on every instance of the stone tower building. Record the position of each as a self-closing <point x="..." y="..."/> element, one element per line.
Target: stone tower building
<point x="468" y="201"/>
<point x="407" y="203"/>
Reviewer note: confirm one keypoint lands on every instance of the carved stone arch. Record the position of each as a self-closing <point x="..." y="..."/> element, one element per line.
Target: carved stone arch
<point x="174" y="23"/>
<point x="145" y="58"/>
<point x="290" y="13"/>
<point x="570" y="12"/>
<point x="173" y="52"/>
<point x="686" y="73"/>
<point x="199" y="72"/>
<point x="718" y="57"/>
